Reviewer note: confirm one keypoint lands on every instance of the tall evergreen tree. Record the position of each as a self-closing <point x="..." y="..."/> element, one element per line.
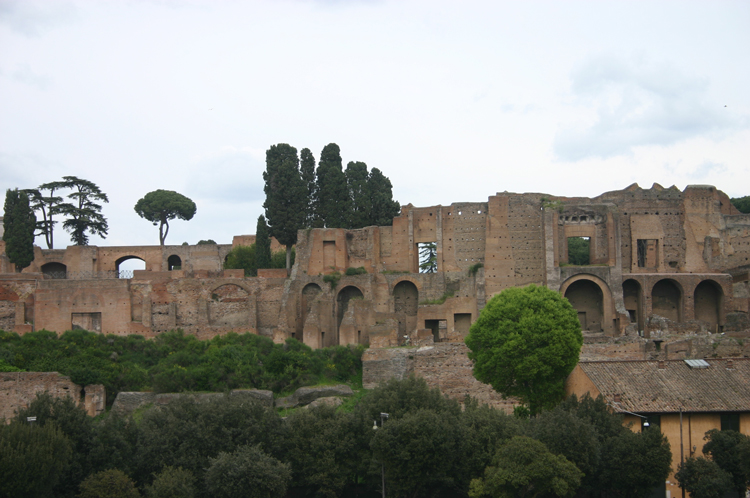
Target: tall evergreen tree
<point x="19" y="223"/>
<point x="384" y="208"/>
<point x="360" y="198"/>
<point x="286" y="196"/>
<point x="262" y="244"/>
<point x="332" y="205"/>
<point x="307" y="170"/>
<point x="49" y="206"/>
<point x="84" y="213"/>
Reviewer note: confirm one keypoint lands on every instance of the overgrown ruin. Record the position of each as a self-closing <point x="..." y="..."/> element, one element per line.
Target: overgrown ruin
<point x="665" y="266"/>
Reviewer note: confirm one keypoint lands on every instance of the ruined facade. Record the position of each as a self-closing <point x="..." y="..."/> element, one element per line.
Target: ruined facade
<point x="661" y="261"/>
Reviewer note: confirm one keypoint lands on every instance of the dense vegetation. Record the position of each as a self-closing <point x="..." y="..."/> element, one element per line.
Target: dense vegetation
<point x="428" y="446"/>
<point x="176" y="362"/>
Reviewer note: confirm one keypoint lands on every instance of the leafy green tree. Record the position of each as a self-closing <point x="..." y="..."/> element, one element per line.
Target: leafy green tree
<point x="578" y="251"/>
<point x="160" y="206"/>
<point x="525" y="343"/>
<point x="333" y="198"/>
<point x="286" y="196"/>
<point x="278" y="258"/>
<point x="384" y="208"/>
<point x="307" y="171"/>
<point x="423" y="454"/>
<point x="703" y="478"/>
<point x="262" y="244"/>
<point x="112" y="483"/>
<point x="19" y="223"/>
<point x="205" y="242"/>
<point x="49" y="206"/>
<point x="360" y="199"/>
<point x="741" y="203"/>
<point x="248" y="472"/>
<point x="428" y="257"/>
<point x="633" y="463"/>
<point x="72" y="420"/>
<point x="84" y="212"/>
<point x="172" y="482"/>
<point x="731" y="451"/>
<point x="33" y="458"/>
<point x="524" y="467"/>
<point x="244" y="258"/>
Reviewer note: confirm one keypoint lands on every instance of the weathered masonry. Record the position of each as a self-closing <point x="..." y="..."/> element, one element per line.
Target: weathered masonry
<point x="635" y="262"/>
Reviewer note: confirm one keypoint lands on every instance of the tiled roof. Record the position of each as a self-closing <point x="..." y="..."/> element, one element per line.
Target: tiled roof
<point x="644" y="387"/>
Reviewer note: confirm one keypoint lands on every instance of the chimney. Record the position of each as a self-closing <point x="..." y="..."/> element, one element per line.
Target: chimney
<point x="616" y="398"/>
<point x="662" y="364"/>
<point x="730" y="364"/>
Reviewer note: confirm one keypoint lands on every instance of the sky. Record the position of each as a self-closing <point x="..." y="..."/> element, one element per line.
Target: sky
<point x="454" y="101"/>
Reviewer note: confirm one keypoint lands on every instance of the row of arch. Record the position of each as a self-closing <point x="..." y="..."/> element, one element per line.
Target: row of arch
<point x="60" y="270"/>
<point x="666" y="297"/>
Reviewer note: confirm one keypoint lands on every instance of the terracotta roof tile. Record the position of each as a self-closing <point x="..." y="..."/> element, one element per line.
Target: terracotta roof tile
<point x="644" y="387"/>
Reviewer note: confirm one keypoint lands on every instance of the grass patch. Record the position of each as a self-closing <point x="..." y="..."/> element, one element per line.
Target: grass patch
<point x="439" y="300"/>
<point x="352" y="401"/>
<point x="332" y="279"/>
<point x="356" y="271"/>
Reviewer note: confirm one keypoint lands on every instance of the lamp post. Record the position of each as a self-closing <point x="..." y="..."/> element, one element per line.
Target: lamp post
<point x="383" y="418"/>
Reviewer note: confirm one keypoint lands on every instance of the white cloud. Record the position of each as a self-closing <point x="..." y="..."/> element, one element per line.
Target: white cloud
<point x="633" y="103"/>
<point x="32" y="18"/>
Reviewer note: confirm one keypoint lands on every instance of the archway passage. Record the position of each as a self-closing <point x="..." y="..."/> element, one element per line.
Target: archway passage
<point x="587" y="298"/>
<point x="666" y="300"/>
<point x="707" y="301"/>
<point x="55" y="270"/>
<point x="308" y="296"/>
<point x="406" y="305"/>
<point x="126" y="265"/>
<point x="174" y="262"/>
<point x="633" y="297"/>
<point x="342" y="304"/>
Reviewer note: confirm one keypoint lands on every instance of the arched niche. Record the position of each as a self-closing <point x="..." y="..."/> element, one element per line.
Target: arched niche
<point x="229" y="306"/>
<point x="406" y="298"/>
<point x="342" y="303"/>
<point x="666" y="300"/>
<point x="632" y="294"/>
<point x="308" y="295"/>
<point x="126" y="265"/>
<point x="708" y="302"/>
<point x="55" y="270"/>
<point x="592" y="298"/>
<point x="174" y="262"/>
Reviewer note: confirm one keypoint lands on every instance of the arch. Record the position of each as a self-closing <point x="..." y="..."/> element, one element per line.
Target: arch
<point x="174" y="262"/>
<point x="229" y="306"/>
<point x="406" y="298"/>
<point x="309" y="293"/>
<point x="127" y="270"/>
<point x="666" y="299"/>
<point x="342" y="303"/>
<point x="587" y="298"/>
<point x="632" y="295"/>
<point x="55" y="270"/>
<point x="600" y="315"/>
<point x="708" y="302"/>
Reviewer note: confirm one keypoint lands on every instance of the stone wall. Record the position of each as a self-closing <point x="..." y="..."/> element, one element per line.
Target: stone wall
<point x="19" y="389"/>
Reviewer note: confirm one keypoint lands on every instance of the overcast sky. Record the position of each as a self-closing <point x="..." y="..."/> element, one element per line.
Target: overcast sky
<point x="453" y="100"/>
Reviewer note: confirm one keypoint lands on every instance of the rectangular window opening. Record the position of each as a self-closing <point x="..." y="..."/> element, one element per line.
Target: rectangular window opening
<point x="579" y="251"/>
<point x="428" y="261"/>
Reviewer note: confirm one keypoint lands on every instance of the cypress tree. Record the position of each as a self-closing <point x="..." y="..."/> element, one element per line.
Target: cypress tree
<point x="262" y="244"/>
<point x="333" y="198"/>
<point x="384" y="208"/>
<point x="360" y="213"/>
<point x="286" y="196"/>
<point x="19" y="223"/>
<point x="307" y="170"/>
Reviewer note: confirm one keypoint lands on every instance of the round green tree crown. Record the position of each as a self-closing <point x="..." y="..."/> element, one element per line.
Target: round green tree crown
<point x="525" y="343"/>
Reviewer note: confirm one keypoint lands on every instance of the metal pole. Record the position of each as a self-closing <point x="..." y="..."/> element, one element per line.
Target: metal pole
<point x="682" y="451"/>
<point x="382" y="474"/>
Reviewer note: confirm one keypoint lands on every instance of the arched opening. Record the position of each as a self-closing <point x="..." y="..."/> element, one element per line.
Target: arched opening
<point x="308" y="296"/>
<point x="587" y="298"/>
<point x="633" y="297"/>
<point x="55" y="270"/>
<point x="708" y="302"/>
<point x="342" y="304"/>
<point x="126" y="265"/>
<point x="666" y="300"/>
<point x="174" y="262"/>
<point x="229" y="307"/>
<point x="406" y="304"/>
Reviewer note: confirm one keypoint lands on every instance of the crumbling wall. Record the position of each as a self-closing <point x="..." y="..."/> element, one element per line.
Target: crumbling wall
<point x="19" y="389"/>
